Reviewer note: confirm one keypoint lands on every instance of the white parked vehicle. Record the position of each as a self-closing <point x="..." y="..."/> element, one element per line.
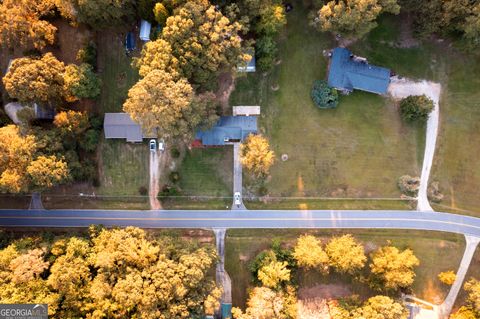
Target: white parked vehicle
<point x="161" y="145"/>
<point x="153" y="146"/>
<point x="237" y="197"/>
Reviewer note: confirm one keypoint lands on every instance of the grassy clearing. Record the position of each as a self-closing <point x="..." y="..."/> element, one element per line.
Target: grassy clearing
<point x="357" y="150"/>
<point x="84" y="202"/>
<point x="124" y="167"/>
<point x="455" y="164"/>
<point x="14" y="201"/>
<point x="308" y="203"/>
<point x="115" y="71"/>
<point x="437" y="252"/>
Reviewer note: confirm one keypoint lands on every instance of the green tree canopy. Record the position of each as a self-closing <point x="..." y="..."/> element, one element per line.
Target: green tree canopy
<point x="81" y="82"/>
<point x="416" y="107"/>
<point x="99" y="13"/>
<point x="33" y="79"/>
<point x="352" y="18"/>
<point x="393" y="268"/>
<point x="345" y="254"/>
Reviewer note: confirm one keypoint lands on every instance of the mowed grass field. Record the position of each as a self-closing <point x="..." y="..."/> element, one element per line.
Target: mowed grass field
<point x="437" y="252"/>
<point x="358" y="150"/>
<point x="206" y="180"/>
<point x="123" y="167"/>
<point x="455" y="163"/>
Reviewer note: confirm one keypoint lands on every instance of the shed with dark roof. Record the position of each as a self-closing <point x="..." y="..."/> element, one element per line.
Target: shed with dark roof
<point x="348" y="72"/>
<point x="121" y="125"/>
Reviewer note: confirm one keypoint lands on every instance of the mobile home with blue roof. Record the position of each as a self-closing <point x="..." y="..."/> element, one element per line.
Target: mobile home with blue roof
<point x="228" y="129"/>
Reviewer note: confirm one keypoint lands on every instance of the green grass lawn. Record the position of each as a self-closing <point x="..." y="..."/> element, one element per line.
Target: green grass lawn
<point x="115" y="71"/>
<point x="455" y="164"/>
<point x="357" y="150"/>
<point x="437" y="252"/>
<point x="207" y="172"/>
<point x="124" y="167"/>
<point x="206" y="180"/>
<point x="331" y="203"/>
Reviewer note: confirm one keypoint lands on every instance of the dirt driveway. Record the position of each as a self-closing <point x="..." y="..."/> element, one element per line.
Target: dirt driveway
<point x="157" y="163"/>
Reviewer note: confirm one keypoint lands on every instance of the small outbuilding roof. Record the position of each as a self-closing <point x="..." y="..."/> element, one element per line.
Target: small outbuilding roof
<point x="228" y="128"/>
<point x="145" y="28"/>
<point x="246" y="110"/>
<point x="348" y="73"/>
<point x="121" y="125"/>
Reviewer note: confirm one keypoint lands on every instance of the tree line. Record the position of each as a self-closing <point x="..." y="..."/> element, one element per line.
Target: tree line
<point x="111" y="273"/>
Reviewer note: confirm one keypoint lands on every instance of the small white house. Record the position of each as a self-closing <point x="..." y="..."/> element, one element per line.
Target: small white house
<point x="145" y="28"/>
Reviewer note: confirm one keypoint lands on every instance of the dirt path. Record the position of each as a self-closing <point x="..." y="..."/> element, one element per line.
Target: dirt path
<point x="400" y="88"/>
<point x="226" y="84"/>
<point x="156" y="159"/>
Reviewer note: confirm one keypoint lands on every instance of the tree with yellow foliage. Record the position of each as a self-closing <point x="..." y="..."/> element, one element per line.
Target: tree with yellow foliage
<point x="47" y="171"/>
<point x="392" y="268"/>
<point x="308" y="253"/>
<point x="256" y="156"/>
<point x="345" y="254"/>
<point x="35" y="79"/>
<point x="22" y="23"/>
<point x="71" y="122"/>
<point x="352" y="18"/>
<point x="203" y="41"/>
<point x="265" y="303"/>
<point x="447" y="277"/>
<point x="157" y="55"/>
<point x="274" y="273"/>
<point x="472" y="287"/>
<point x="16" y="153"/>
<point x="168" y="105"/>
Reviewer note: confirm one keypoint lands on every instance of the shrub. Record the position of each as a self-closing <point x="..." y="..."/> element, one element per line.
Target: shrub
<point x="168" y="190"/>
<point x="265" y="51"/>
<point x="142" y="190"/>
<point x="447" y="277"/>
<point x="161" y="14"/>
<point x="175" y="153"/>
<point x="409" y="185"/>
<point x="89" y="142"/>
<point x="434" y="193"/>
<point x="324" y="96"/>
<point x="88" y="54"/>
<point x="416" y="107"/>
<point x="174" y="177"/>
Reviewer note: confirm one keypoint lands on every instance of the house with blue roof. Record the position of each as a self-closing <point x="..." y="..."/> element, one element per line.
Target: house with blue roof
<point x="348" y="72"/>
<point x="227" y="130"/>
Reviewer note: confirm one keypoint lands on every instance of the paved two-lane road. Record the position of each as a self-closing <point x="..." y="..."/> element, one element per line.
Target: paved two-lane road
<point x="389" y="219"/>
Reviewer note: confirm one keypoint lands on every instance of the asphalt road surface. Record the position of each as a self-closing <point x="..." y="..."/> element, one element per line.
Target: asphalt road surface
<point x="389" y="219"/>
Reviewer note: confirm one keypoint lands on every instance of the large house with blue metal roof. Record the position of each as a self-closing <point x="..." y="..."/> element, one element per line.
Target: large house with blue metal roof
<point x="227" y="130"/>
<point x="348" y="72"/>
